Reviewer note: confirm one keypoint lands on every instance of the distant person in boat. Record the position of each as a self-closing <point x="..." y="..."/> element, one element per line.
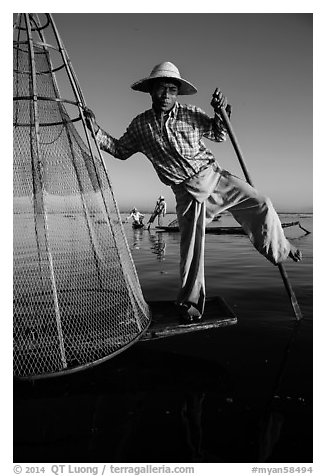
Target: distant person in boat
<point x="159" y="212"/>
<point x="136" y="216"/>
<point x="171" y="136"/>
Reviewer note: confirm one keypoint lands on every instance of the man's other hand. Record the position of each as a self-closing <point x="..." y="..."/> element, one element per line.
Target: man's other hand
<point x="219" y="101"/>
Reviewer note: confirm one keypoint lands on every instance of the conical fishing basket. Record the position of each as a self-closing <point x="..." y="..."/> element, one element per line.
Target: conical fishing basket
<point x="77" y="297"/>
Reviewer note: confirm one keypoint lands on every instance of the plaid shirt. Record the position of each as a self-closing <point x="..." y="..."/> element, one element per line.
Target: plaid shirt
<point x="174" y="147"/>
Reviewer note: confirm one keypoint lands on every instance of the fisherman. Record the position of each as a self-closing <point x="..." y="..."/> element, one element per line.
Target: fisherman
<point x="159" y="212"/>
<point x="170" y="135"/>
<point x="136" y="216"/>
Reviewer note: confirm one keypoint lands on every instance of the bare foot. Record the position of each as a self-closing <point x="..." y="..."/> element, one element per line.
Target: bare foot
<point x="295" y="254"/>
<point x="188" y="313"/>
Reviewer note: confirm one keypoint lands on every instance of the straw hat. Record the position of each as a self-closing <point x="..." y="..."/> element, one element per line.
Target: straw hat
<point x="164" y="70"/>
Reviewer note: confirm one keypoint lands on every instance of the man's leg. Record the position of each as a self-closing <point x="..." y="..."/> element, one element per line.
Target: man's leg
<point x="256" y="215"/>
<point x="191" y="218"/>
<point x="151" y="220"/>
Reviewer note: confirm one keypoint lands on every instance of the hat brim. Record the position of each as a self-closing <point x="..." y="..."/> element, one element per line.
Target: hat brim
<point x="145" y="85"/>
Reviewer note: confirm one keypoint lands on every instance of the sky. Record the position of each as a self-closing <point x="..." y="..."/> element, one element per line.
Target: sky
<point x="262" y="62"/>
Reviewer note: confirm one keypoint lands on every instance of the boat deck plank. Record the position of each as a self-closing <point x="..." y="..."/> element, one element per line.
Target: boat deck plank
<point x="165" y="320"/>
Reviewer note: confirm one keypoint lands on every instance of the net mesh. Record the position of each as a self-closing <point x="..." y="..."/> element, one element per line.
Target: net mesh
<point x="77" y="297"/>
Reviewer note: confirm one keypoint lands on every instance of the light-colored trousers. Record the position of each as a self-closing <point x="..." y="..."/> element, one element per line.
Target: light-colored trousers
<point x="159" y="215"/>
<point x="198" y="201"/>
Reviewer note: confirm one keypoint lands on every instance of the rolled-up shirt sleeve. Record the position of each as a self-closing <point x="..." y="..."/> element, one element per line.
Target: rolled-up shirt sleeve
<point x="121" y="148"/>
<point x="219" y="129"/>
<point x="216" y="130"/>
<point x="211" y="128"/>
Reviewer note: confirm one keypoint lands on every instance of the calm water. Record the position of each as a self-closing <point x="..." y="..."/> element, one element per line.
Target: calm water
<point x="233" y="269"/>
<point x="237" y="394"/>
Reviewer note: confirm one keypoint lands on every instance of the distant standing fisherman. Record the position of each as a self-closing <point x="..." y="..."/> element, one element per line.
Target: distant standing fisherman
<point x="170" y="135"/>
<point x="159" y="212"/>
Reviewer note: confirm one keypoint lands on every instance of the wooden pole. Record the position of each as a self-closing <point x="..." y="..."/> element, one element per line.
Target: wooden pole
<point x="287" y="284"/>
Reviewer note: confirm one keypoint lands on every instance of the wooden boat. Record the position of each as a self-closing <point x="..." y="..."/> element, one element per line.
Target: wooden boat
<point x="175" y="224"/>
<point x="138" y="225"/>
<point x="225" y="230"/>
<point x="165" y="321"/>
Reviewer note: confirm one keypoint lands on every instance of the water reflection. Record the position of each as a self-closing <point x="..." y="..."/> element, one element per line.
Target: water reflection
<point x="158" y="245"/>
<point x="191" y="413"/>
<point x="118" y="424"/>
<point x="156" y="242"/>
<point x="137" y="237"/>
<point x="271" y="431"/>
<point x="155" y="405"/>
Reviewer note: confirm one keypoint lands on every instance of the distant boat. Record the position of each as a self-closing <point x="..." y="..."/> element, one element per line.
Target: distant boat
<point x="138" y="225"/>
<point x="227" y="230"/>
<point x="175" y="224"/>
